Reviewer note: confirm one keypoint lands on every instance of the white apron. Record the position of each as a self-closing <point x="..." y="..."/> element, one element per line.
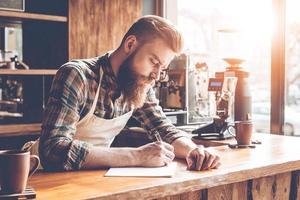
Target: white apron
<point x="99" y="131"/>
<point x="93" y="129"/>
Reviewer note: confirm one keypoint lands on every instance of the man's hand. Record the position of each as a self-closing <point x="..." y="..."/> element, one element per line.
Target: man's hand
<point x="201" y="159"/>
<point x="155" y="154"/>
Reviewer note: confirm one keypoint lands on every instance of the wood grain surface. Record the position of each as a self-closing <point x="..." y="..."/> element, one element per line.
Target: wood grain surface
<point x="271" y="187"/>
<point x="98" y="26"/>
<point x="267" y="169"/>
<point x="19" y="129"/>
<point x="230" y="191"/>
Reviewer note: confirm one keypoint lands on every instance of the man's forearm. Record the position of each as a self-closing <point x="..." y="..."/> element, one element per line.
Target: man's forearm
<point x="182" y="146"/>
<point x="120" y="157"/>
<point x="109" y="157"/>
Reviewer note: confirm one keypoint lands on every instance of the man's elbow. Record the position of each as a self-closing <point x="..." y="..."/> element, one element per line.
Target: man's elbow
<point x="53" y="154"/>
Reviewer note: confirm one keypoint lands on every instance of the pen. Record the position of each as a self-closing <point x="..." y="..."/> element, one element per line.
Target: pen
<point x="157" y="136"/>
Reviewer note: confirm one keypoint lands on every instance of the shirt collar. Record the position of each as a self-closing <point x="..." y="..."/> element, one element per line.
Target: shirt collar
<point x="107" y="68"/>
<point x="109" y="82"/>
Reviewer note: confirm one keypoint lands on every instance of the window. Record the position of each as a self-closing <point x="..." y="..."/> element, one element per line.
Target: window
<point x="215" y="29"/>
<point x="292" y="69"/>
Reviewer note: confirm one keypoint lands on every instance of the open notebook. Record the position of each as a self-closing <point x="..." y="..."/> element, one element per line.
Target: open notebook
<point x="166" y="171"/>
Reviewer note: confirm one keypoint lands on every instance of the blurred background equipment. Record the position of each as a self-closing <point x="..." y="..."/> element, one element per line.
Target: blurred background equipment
<point x="11" y="100"/>
<point x="13" y="5"/>
<point x="243" y="99"/>
<point x="171" y="90"/>
<point x="10" y="45"/>
<point x="223" y="89"/>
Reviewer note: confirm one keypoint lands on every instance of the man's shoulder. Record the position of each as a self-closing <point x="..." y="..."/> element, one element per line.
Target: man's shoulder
<point x="87" y="68"/>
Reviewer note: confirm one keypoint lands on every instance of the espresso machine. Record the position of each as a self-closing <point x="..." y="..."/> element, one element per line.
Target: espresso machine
<point x="222" y="124"/>
<point x="171" y="90"/>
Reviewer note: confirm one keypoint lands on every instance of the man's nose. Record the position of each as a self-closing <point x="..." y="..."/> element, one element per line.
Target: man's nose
<point x="157" y="72"/>
<point x="155" y="76"/>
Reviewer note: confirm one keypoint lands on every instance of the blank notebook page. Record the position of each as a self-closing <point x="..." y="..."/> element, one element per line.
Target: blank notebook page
<point x="165" y="171"/>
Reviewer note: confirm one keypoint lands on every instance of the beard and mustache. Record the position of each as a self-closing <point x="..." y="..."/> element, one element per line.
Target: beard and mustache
<point x="133" y="85"/>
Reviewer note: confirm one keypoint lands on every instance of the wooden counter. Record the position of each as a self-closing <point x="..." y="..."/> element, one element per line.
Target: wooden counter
<point x="270" y="171"/>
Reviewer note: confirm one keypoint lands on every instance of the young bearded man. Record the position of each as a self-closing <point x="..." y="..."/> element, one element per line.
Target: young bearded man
<point x="91" y="101"/>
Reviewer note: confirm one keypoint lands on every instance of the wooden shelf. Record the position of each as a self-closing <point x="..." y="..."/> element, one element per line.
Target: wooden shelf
<point x="19" y="129"/>
<point x="178" y="112"/>
<point x="32" y="16"/>
<point x="28" y="72"/>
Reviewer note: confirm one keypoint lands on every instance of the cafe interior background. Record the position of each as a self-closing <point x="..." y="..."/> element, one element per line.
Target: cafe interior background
<point x="264" y="36"/>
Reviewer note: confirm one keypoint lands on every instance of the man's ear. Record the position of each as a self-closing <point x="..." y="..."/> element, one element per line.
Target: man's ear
<point x="130" y="44"/>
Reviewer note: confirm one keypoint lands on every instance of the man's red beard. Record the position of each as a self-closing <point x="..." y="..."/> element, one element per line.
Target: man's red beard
<point x="133" y="86"/>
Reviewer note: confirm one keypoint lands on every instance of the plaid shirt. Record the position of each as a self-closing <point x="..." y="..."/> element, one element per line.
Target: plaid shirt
<point x="71" y="97"/>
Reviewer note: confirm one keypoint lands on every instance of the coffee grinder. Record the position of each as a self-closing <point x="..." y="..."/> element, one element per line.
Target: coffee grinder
<point x="243" y="99"/>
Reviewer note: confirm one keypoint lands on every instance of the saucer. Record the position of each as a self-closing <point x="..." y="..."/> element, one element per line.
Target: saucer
<point x="236" y="146"/>
<point x="28" y="193"/>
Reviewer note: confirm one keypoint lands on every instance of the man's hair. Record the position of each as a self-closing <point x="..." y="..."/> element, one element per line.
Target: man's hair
<point x="150" y="27"/>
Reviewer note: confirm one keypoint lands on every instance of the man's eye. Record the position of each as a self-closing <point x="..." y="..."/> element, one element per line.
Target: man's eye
<point x="154" y="62"/>
<point x="165" y="68"/>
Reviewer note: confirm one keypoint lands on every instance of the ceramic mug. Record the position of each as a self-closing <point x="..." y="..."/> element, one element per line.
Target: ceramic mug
<point x="15" y="169"/>
<point x="243" y="132"/>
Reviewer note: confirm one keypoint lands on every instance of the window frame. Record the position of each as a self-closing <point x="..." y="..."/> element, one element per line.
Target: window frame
<point x="278" y="68"/>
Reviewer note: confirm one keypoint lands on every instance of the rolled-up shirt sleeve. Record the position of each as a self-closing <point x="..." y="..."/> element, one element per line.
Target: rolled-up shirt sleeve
<point x="57" y="149"/>
<point x="153" y="119"/>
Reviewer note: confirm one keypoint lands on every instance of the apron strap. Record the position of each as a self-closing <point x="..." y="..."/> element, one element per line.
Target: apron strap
<point x="93" y="108"/>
